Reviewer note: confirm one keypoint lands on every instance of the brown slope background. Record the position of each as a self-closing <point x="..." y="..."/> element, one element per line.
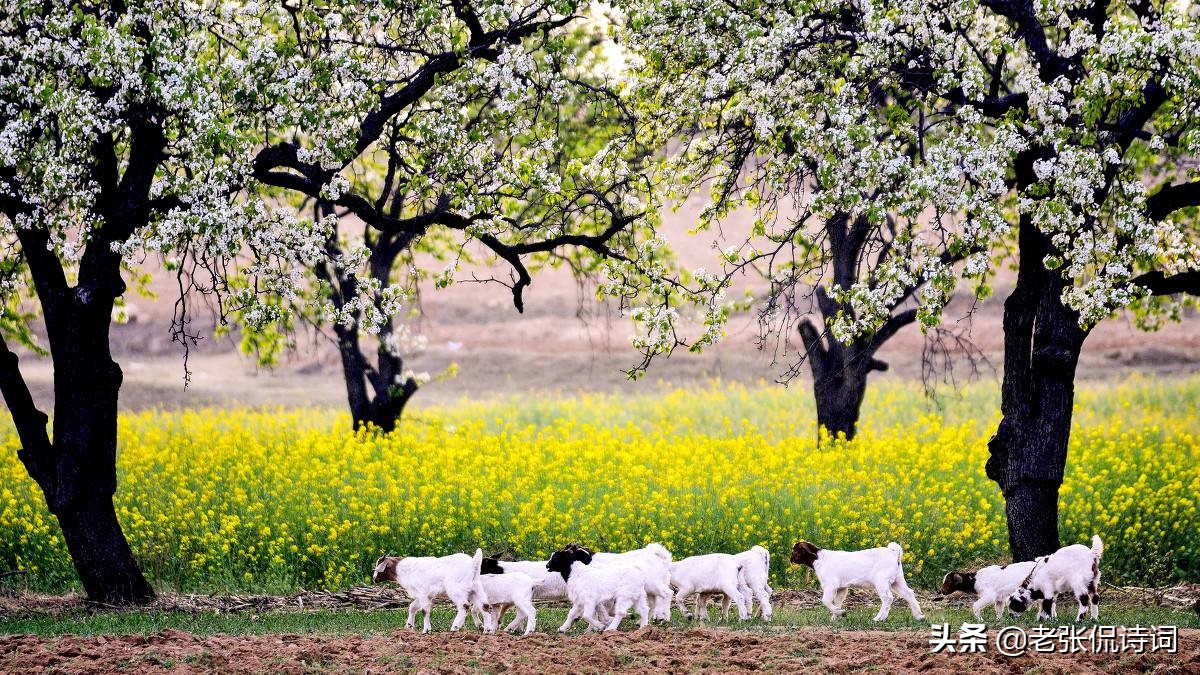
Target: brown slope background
<point x="564" y="342"/>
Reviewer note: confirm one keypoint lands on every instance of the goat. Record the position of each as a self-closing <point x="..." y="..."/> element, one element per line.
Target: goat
<point x="495" y="593"/>
<point x="752" y="584"/>
<point x="1074" y="568"/>
<point x="589" y="587"/>
<point x="710" y="573"/>
<point x="655" y="561"/>
<point x="426" y="578"/>
<point x="877" y="568"/>
<point x="993" y="583"/>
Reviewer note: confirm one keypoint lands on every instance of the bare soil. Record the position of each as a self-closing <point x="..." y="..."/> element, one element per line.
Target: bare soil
<point x="649" y="650"/>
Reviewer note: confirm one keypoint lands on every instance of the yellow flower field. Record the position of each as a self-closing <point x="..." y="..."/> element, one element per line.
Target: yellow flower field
<point x="278" y="499"/>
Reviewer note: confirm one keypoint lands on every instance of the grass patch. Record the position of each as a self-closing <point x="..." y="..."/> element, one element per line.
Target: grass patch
<point x="381" y="622"/>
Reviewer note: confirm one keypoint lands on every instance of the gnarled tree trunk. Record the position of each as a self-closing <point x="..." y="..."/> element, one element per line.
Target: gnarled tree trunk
<point x="1028" y="453"/>
<point x="378" y="392"/>
<point x="840" y="372"/>
<point x="77" y="471"/>
<point x="839" y="385"/>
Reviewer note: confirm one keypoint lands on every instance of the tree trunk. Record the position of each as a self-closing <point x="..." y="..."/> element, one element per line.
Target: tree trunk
<point x="839" y="398"/>
<point x="77" y="471"/>
<point x="1028" y="453"/>
<point x="374" y="396"/>
<point x="1032" y="511"/>
<point x="101" y="554"/>
<point x="840" y="371"/>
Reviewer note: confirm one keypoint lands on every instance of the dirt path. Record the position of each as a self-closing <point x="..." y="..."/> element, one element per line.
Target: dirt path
<point x="649" y="650"/>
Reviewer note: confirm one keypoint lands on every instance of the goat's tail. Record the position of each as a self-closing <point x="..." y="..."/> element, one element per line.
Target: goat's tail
<point x="1097" y="546"/>
<point x="895" y="548"/>
<point x="660" y="551"/>
<point x="766" y="555"/>
<point x="477" y="567"/>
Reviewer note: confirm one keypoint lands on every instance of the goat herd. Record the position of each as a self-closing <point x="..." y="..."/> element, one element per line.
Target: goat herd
<point x="603" y="587"/>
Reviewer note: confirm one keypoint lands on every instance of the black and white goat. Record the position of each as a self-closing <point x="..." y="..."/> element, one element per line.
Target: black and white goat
<point x="590" y="587"/>
<point x="655" y="563"/>
<point x="1074" y="568"/>
<point x="839" y="571"/>
<point x="495" y="593"/>
<point x="993" y="583"/>
<point x="547" y="586"/>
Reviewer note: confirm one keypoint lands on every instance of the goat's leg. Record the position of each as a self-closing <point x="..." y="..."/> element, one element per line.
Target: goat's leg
<point x="409" y="622"/>
<point x="886" y="597"/>
<point x="514" y="625"/>
<point x="732" y="593"/>
<point x="680" y="596"/>
<point x="526" y="610"/>
<point x="589" y="615"/>
<point x="460" y="617"/>
<point x="901" y="589"/>
<point x="480" y="615"/>
<point x="621" y="608"/>
<point x="829" y="599"/>
<point x="427" y="607"/>
<point x="841" y="597"/>
<point x="982" y="602"/>
<point x="1046" y="610"/>
<point x="746" y="592"/>
<point x="762" y="593"/>
<point x="661" y="609"/>
<point x="642" y="607"/>
<point x="604" y="611"/>
<point x="572" y="617"/>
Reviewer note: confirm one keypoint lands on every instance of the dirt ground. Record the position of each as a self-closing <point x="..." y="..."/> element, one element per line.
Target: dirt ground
<point x="649" y="650"/>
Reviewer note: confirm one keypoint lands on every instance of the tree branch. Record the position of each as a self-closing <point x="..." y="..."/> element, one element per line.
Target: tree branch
<point x="1160" y="284"/>
<point x="890" y="327"/>
<point x="1172" y="198"/>
<point x="28" y="419"/>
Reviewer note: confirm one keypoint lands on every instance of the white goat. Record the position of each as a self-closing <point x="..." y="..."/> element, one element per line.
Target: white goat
<point x="494" y="593"/>
<point x="547" y="586"/>
<point x="752" y="583"/>
<point x="655" y="562"/>
<point x="877" y="568"/>
<point x="590" y="587"/>
<point x="993" y="583"/>
<point x="756" y="566"/>
<point x="710" y="573"/>
<point x="1074" y="568"/>
<point x="426" y="578"/>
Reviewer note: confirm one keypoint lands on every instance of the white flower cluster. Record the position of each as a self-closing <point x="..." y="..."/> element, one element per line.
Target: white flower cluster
<point x="197" y="86"/>
<point x="890" y="109"/>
